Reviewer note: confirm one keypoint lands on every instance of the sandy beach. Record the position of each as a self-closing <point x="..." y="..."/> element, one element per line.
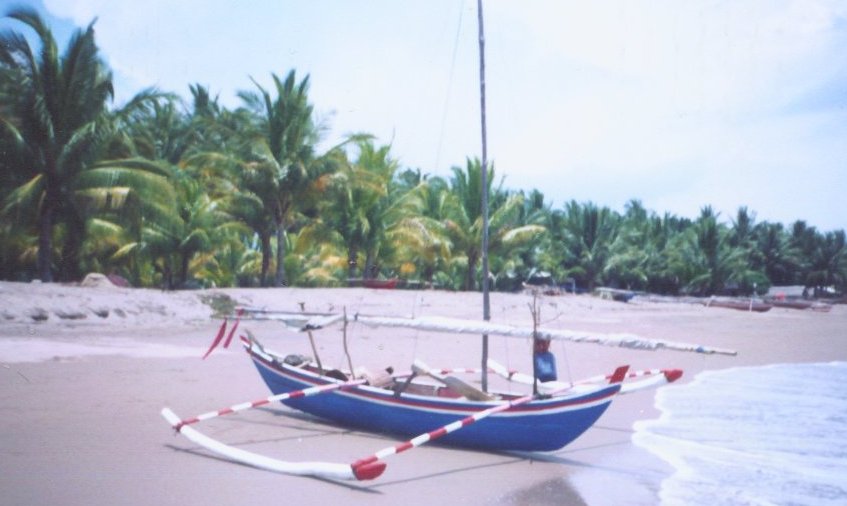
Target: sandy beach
<point x="84" y="372"/>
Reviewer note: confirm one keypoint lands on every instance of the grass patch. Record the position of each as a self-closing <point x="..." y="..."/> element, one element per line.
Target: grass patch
<point x="221" y="304"/>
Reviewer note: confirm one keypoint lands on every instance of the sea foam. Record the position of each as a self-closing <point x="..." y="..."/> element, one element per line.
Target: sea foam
<point x="755" y="435"/>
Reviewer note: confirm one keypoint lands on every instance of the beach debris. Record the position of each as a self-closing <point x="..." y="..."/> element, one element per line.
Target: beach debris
<point x="97" y="280"/>
<point x="38" y="314"/>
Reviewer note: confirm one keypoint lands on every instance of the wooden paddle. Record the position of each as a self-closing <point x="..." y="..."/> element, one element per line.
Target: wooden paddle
<point x="456" y="384"/>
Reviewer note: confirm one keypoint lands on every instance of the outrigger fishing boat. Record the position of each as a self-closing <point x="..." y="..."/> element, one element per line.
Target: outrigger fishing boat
<point x="410" y="404"/>
<point x="450" y="410"/>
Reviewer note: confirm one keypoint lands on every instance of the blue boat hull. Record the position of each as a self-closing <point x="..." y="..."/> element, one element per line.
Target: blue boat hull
<point x="540" y="425"/>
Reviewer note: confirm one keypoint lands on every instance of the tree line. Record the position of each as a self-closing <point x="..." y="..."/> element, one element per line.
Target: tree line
<point x="174" y="193"/>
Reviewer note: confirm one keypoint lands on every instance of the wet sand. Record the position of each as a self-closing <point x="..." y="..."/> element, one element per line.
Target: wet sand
<point x="84" y="373"/>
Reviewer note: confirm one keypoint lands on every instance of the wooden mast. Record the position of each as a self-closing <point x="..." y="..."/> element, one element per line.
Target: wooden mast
<point x="486" y="304"/>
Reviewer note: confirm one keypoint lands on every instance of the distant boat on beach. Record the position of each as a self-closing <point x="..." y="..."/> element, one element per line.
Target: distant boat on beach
<point x="755" y="305"/>
<point x="800" y="304"/>
<point x="615" y="294"/>
<point x="791" y="304"/>
<point x="382" y="284"/>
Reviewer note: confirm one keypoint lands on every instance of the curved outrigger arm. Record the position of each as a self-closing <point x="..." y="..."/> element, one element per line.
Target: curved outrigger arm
<point x="328" y="470"/>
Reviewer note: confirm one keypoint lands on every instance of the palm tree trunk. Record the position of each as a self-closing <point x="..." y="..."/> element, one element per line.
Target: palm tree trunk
<point x="470" y="281"/>
<point x="370" y="266"/>
<point x="428" y="274"/>
<point x="183" y="269"/>
<point x="45" y="240"/>
<point x="279" y="279"/>
<point x="69" y="267"/>
<point x="266" y="257"/>
<point x="169" y="275"/>
<point x="45" y="232"/>
<point x="352" y="254"/>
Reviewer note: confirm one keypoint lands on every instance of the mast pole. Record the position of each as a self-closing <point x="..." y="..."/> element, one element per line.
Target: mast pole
<point x="486" y="304"/>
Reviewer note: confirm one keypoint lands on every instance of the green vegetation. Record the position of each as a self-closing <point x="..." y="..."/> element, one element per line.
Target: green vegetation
<point x="171" y="194"/>
<point x="221" y="304"/>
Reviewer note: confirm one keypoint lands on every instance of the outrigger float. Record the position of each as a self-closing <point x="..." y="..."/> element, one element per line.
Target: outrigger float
<point x="411" y="405"/>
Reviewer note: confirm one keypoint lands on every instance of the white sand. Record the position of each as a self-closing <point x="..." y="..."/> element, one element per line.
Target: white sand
<point x="81" y="392"/>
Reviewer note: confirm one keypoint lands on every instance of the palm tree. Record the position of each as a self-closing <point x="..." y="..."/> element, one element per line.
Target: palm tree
<point x="464" y="222"/>
<point x="383" y="211"/>
<point x="222" y="153"/>
<point x="828" y="264"/>
<point x="361" y="203"/>
<point x="313" y="260"/>
<point x="662" y="231"/>
<point x="233" y="262"/>
<point x="156" y="129"/>
<point x="779" y="259"/>
<point x="128" y="197"/>
<point x="56" y="125"/>
<point x="176" y="237"/>
<point x="804" y="239"/>
<point x="587" y="233"/>
<point x="282" y="149"/>
<point x="519" y="264"/>
<point x="704" y="258"/>
<point x="632" y="254"/>
<point x="420" y="236"/>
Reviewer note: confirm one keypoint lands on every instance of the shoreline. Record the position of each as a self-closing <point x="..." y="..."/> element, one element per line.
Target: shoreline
<point x="83" y="394"/>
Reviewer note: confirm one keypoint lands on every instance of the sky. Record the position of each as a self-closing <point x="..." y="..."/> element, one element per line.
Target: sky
<point x="679" y="104"/>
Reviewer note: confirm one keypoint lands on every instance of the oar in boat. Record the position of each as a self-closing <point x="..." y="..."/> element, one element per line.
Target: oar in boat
<point x="372" y="466"/>
<point x="306" y="392"/>
<point x="454" y="383"/>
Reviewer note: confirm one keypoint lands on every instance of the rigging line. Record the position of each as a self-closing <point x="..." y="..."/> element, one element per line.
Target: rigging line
<point x="449" y="87"/>
<point x="567" y="363"/>
<point x="417" y="332"/>
<point x="559" y="313"/>
<point x="508" y="355"/>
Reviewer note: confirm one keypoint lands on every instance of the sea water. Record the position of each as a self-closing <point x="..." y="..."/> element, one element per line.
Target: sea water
<point x="755" y="435"/>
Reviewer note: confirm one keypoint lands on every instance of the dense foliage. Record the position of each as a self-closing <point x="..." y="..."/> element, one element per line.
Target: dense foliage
<point x="171" y="194"/>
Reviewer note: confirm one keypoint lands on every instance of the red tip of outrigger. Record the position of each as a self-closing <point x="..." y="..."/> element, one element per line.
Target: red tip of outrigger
<point x="368" y="469"/>
<point x="672" y="374"/>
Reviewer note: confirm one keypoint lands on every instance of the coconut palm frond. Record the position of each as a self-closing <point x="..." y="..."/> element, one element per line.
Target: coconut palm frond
<point x="25" y="196"/>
